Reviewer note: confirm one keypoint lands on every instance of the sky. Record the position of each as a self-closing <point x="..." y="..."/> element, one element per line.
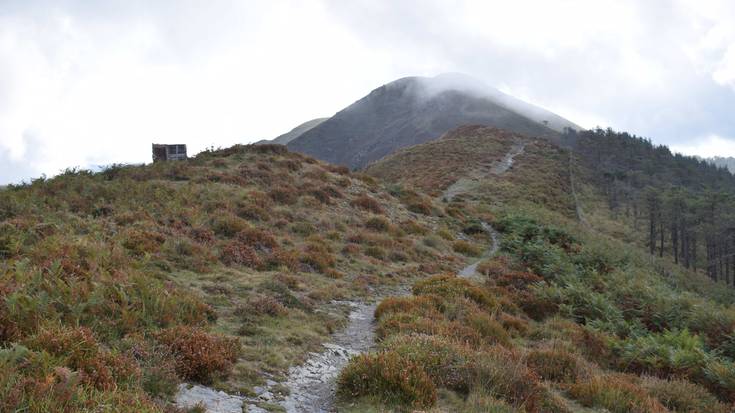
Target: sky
<point x="85" y="83"/>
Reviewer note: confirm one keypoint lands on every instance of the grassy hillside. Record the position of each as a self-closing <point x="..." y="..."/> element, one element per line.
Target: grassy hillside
<point x="466" y="156"/>
<point x="229" y="268"/>
<point x="223" y="269"/>
<point x="572" y="315"/>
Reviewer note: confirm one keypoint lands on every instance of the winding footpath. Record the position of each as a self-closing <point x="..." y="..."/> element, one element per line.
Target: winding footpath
<point x="467" y="184"/>
<point x="470" y="271"/>
<point x="313" y="384"/>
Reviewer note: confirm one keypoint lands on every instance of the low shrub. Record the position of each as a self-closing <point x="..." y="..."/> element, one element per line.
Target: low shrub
<point x="141" y="242"/>
<point x="466" y="248"/>
<point x="450" y="286"/>
<point x="318" y="257"/>
<point x="402" y="323"/>
<point x="555" y="364"/>
<point x="202" y="235"/>
<point x="368" y="203"/>
<point x="480" y="401"/>
<point x="419" y="206"/>
<point x="338" y="169"/>
<point x="503" y="373"/>
<point x="159" y="378"/>
<point x="683" y="396"/>
<point x="79" y="350"/>
<point x="445" y="234"/>
<point x="389" y="377"/>
<point x="423" y="304"/>
<point x="228" y="225"/>
<point x="378" y="224"/>
<point x="488" y="328"/>
<point x="617" y="393"/>
<point x="258" y="306"/>
<point x="303" y="228"/>
<point x="268" y="148"/>
<point x="517" y="280"/>
<point x="493" y="268"/>
<point x="412" y="227"/>
<point x="257" y="239"/>
<point x="445" y="361"/>
<point x="351" y="249"/>
<point x="432" y="242"/>
<point x="237" y="253"/>
<point x="200" y="356"/>
<point x="280" y="257"/>
<point x="285" y="195"/>
<point x="375" y="252"/>
<point x="513" y="324"/>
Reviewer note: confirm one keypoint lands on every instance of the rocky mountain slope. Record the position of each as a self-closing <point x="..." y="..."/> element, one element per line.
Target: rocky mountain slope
<point x="414" y="110"/>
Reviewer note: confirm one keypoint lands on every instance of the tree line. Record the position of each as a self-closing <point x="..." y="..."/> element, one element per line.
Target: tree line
<point x="685" y="205"/>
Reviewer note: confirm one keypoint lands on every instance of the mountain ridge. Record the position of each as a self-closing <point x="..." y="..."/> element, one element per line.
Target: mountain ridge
<point x="414" y="110"/>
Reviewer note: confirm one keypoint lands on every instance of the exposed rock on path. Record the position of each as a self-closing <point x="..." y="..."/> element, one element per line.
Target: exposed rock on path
<point x="312" y="385"/>
<point x="470" y="271"/>
<point x="213" y="401"/>
<point x="467" y="184"/>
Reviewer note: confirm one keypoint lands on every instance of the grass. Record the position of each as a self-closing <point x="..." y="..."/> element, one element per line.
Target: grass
<point x="146" y="264"/>
<point x="558" y="323"/>
<point x="617" y="394"/>
<point x="112" y="283"/>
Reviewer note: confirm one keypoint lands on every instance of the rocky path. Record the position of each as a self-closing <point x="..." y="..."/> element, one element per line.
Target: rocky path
<point x="468" y="183"/>
<point x="507" y="161"/>
<point x="470" y="271"/>
<point x="312" y="385"/>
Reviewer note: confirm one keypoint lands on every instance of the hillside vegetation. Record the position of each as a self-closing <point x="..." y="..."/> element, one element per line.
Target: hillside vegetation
<point x="683" y="205"/>
<point x="223" y="269"/>
<point x="571" y="315"/>
<point x="466" y="156"/>
<point x="229" y="268"/>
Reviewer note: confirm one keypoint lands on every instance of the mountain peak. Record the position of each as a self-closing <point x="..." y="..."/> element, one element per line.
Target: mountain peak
<point x="413" y="110"/>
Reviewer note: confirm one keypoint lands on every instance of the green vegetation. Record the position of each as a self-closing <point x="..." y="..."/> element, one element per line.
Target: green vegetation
<point x="228" y="268"/>
<point x="117" y="286"/>
<point x="682" y="204"/>
<point x="564" y="319"/>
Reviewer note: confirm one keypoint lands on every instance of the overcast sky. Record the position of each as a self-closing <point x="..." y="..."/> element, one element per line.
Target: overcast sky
<point x="85" y="83"/>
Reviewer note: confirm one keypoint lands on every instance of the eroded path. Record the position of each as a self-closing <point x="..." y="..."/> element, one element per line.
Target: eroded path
<point x="470" y="271"/>
<point x="468" y="183"/>
<point x="312" y="385"/>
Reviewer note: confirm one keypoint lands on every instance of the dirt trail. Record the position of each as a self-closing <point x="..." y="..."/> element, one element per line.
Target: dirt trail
<point x="470" y="271"/>
<point x="312" y="385"/>
<point x="468" y="183"/>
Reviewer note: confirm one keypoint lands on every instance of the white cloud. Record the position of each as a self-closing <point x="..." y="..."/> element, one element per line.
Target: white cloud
<point x="91" y="83"/>
<point x="707" y="146"/>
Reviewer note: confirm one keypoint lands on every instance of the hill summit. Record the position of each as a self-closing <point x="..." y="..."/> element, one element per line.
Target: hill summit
<point x="415" y="110"/>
